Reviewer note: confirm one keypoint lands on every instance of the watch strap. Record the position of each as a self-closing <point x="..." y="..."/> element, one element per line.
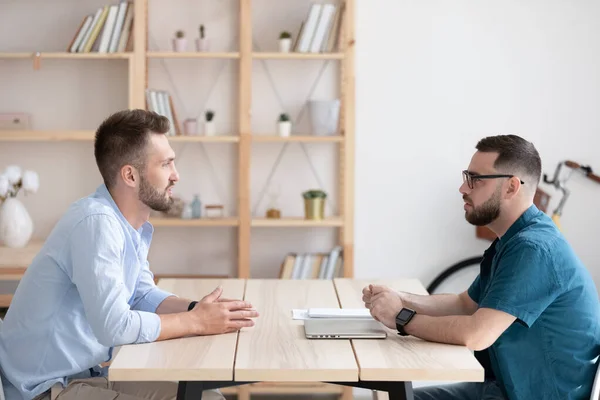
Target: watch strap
<point x="192" y="305"/>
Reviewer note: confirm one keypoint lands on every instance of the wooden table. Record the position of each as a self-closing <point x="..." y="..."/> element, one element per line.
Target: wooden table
<point x="275" y="349"/>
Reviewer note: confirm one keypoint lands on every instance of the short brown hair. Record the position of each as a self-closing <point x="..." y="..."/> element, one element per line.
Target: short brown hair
<point x="121" y="140"/>
<point x="515" y="156"/>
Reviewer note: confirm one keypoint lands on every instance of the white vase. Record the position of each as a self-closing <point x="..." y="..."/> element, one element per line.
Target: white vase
<point x="16" y="226"/>
<point x="285" y="45"/>
<point x="209" y="128"/>
<point x="202" y="44"/>
<point x="285" y="128"/>
<point x="324" y="116"/>
<point x="180" y="45"/>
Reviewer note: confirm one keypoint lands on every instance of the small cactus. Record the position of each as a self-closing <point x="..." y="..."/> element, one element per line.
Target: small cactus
<point x="180" y="34"/>
<point x="201" y="31"/>
<point x="284" y="117"/>
<point x="209" y="115"/>
<point x="285" y="35"/>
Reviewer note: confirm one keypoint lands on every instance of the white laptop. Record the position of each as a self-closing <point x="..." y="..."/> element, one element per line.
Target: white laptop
<point x="341" y="328"/>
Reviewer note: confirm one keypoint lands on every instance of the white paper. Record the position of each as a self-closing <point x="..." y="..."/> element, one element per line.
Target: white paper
<point x="299" y="314"/>
<point x="339" y="313"/>
<point x="313" y="313"/>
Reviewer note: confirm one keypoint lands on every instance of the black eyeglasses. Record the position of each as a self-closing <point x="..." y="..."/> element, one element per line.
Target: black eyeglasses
<point x="471" y="178"/>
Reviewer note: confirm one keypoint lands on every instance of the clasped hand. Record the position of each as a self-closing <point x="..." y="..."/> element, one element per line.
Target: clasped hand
<point x="383" y="303"/>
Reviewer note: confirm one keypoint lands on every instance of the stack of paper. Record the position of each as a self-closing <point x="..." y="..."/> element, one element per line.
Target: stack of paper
<point x="343" y="313"/>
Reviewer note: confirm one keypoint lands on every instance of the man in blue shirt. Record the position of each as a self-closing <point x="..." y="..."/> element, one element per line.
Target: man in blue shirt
<point x="533" y="310"/>
<point x="90" y="289"/>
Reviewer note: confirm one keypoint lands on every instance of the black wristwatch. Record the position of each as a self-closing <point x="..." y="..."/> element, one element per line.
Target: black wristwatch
<point x="403" y="318"/>
<point x="191" y="306"/>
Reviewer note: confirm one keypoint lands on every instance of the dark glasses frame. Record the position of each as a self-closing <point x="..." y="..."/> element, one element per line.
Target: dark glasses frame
<point x="471" y="178"/>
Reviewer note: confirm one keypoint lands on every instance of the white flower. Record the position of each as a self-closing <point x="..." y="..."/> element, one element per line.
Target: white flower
<point x="13" y="173"/>
<point x="31" y="181"/>
<point x="4" y="186"/>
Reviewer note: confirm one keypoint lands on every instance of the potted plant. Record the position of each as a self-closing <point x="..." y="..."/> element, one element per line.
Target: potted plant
<point x="285" y="125"/>
<point x="285" y="42"/>
<point x="209" y="123"/>
<point x="314" y="204"/>
<point x="180" y="42"/>
<point x="202" y="41"/>
<point x="16" y="226"/>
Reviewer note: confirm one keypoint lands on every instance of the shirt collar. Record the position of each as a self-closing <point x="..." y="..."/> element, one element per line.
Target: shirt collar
<point x="520" y="223"/>
<point x="146" y="230"/>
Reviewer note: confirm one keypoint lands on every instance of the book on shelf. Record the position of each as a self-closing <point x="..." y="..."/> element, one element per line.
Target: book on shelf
<point x="320" y="31"/>
<point x="313" y="265"/>
<point x="161" y="103"/>
<point x="107" y="30"/>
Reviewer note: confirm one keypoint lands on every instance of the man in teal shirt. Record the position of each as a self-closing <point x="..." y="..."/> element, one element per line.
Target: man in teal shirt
<point x="533" y="309"/>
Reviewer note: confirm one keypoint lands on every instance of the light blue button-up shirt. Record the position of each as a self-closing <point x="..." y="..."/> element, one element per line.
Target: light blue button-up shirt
<point x="89" y="289"/>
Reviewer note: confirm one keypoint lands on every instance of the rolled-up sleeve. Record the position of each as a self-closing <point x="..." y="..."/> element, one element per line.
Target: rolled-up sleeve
<point x="148" y="296"/>
<point x="96" y="248"/>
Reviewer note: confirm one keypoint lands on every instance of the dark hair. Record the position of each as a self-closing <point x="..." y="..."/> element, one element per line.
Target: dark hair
<point x="121" y="140"/>
<point x="515" y="156"/>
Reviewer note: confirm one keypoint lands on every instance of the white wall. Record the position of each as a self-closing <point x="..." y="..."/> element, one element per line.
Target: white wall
<point x="435" y="76"/>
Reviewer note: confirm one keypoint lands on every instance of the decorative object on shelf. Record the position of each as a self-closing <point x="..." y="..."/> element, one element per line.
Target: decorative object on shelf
<point x="214" y="211"/>
<point x="187" y="211"/>
<point x="209" y="123"/>
<point x="285" y="42"/>
<point x="202" y="41"/>
<point x="16" y="226"/>
<point x="196" y="207"/>
<point x="14" y="121"/>
<point x="314" y="204"/>
<point x="273" y="211"/>
<point x="180" y="42"/>
<point x="285" y="125"/>
<point x="324" y="116"/>
<point x="190" y="127"/>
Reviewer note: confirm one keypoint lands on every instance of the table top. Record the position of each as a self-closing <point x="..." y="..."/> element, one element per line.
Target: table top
<point x="276" y="350"/>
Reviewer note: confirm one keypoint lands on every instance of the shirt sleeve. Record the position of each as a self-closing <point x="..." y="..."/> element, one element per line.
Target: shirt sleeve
<point x="474" y="290"/>
<point x="524" y="283"/>
<point x="96" y="250"/>
<point x="148" y="296"/>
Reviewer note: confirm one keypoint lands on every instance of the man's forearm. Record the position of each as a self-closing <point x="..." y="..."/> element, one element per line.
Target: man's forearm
<point x="435" y="305"/>
<point x="455" y="329"/>
<point x="176" y="325"/>
<point x="173" y="304"/>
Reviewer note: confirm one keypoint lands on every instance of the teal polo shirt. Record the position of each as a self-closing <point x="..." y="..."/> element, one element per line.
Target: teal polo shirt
<point x="550" y="351"/>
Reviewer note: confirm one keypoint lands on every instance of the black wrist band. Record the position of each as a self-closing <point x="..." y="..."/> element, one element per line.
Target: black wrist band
<point x="192" y="304"/>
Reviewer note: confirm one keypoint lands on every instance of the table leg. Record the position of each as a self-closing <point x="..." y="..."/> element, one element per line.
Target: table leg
<point x="190" y="390"/>
<point x="401" y="391"/>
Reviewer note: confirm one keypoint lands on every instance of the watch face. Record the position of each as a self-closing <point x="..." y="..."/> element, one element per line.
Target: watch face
<point x="404" y="314"/>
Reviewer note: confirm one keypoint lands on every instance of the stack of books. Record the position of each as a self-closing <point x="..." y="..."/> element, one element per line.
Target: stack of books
<point x="161" y="103"/>
<point x="313" y="265"/>
<point x="108" y="30"/>
<point x="321" y="31"/>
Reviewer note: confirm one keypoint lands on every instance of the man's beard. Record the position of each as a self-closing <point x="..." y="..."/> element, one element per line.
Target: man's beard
<point x="486" y="213"/>
<point x="155" y="199"/>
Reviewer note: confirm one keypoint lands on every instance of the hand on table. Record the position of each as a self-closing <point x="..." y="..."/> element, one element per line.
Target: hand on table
<point x="383" y="303"/>
<point x="214" y="315"/>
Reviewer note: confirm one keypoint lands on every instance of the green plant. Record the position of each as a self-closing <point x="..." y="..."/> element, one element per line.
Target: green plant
<point x="285" y="35"/>
<point x="209" y="115"/>
<point x="201" y="31"/>
<point x="314" y="194"/>
<point x="284" y="117"/>
<point x="180" y="34"/>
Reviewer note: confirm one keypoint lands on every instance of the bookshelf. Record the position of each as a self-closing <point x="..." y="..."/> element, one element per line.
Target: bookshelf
<point x="242" y="138"/>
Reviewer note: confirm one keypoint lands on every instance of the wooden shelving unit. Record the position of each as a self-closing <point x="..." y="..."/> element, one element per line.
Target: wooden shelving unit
<point x="243" y="138"/>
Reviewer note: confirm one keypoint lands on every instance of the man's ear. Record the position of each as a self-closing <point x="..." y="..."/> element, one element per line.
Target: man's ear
<point x="512" y="187"/>
<point x="130" y="176"/>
